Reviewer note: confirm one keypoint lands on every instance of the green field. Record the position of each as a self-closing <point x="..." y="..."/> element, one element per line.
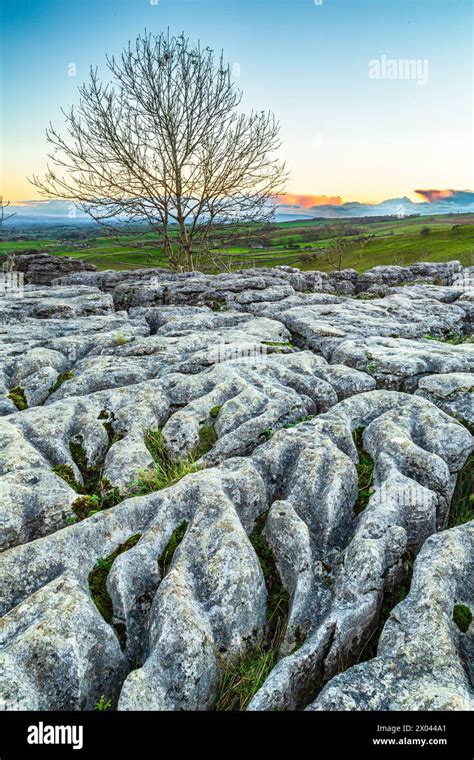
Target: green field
<point x="302" y="244"/>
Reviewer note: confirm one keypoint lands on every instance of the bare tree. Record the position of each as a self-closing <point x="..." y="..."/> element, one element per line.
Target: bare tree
<point x="164" y="142"/>
<point x="336" y="253"/>
<point x="9" y="265"/>
<point x="343" y="247"/>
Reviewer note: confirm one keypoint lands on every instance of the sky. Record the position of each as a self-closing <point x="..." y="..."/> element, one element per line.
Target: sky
<point x="355" y="124"/>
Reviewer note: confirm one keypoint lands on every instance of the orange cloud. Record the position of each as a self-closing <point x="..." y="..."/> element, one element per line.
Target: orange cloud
<point x="435" y="195"/>
<point x="306" y="201"/>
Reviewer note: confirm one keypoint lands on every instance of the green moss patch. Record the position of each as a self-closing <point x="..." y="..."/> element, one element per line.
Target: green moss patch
<point x="207" y="439"/>
<point x="98" y="581"/>
<point x="266" y="434"/>
<point x="89" y="504"/>
<point x="60" y="380"/>
<point x="214" y="412"/>
<point x="277" y="344"/>
<point x="365" y="473"/>
<point x="462" y="616"/>
<point x="67" y="474"/>
<point x="166" y="558"/>
<point x="96" y="493"/>
<point x="90" y="474"/>
<point x="17" y="395"/>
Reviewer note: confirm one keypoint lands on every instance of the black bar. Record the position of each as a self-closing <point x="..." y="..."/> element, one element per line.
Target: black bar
<point x="154" y="734"/>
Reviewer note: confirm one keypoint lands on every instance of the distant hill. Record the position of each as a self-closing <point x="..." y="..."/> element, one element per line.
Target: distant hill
<point x="460" y="203"/>
<point x="63" y="212"/>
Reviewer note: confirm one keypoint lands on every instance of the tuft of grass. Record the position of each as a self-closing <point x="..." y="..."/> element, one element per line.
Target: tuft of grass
<point x="461" y="509"/>
<point x="371" y="367"/>
<point x="365" y="473"/>
<point x="243" y="677"/>
<point x="17" y="395"/>
<point x="166" y="558"/>
<point x="103" y="704"/>
<point x="462" y="616"/>
<point x="165" y="472"/>
<point x="266" y="434"/>
<point x="60" y="380"/>
<point x="98" y="578"/>
<point x="158" y="478"/>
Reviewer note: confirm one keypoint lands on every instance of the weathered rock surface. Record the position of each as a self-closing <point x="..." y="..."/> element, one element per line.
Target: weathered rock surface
<point x="399" y="364"/>
<point x="163" y="286"/>
<point x="41" y="268"/>
<point x="279" y="373"/>
<point x="453" y="392"/>
<point x="421" y="661"/>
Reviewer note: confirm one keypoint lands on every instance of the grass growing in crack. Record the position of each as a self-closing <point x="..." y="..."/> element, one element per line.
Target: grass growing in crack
<point x="462" y="616"/>
<point x="214" y="412"/>
<point x="96" y="493"/>
<point x="106" y="496"/>
<point x="108" y="424"/>
<point x="277" y="344"/>
<point x="266" y="434"/>
<point x="67" y="474"/>
<point x="60" y="380"/>
<point x="166" y="558"/>
<point x="103" y="704"/>
<point x="243" y="677"/>
<point x="365" y="473"/>
<point x="161" y="477"/>
<point x="90" y="474"/>
<point x="17" y="395"/>
<point x="98" y="582"/>
<point x="461" y="509"/>
<point x="300" y="420"/>
<point x="166" y="472"/>
<point x="454" y="338"/>
<point x="367" y="296"/>
<point x="371" y="367"/>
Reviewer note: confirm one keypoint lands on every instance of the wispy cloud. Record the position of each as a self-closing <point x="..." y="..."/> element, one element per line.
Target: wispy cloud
<point x="307" y="201"/>
<point x="436" y="195"/>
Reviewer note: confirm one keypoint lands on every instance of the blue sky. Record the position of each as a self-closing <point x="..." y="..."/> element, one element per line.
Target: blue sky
<point x="344" y="134"/>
